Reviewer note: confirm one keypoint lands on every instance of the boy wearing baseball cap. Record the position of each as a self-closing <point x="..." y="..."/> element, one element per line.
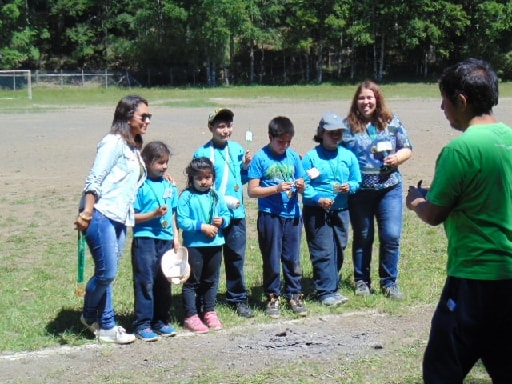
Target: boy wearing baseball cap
<point x="231" y="162"/>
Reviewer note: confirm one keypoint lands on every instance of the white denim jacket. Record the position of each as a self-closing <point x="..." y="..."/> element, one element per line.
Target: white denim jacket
<point x="116" y="175"/>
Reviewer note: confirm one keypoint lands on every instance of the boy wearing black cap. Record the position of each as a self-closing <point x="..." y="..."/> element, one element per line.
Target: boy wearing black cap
<point x="231" y="162"/>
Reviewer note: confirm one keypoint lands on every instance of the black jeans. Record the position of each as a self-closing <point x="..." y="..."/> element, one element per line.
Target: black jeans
<point x="472" y="321"/>
<point x="200" y="290"/>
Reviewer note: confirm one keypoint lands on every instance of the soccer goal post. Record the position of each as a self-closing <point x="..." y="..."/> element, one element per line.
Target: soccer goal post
<point x="15" y="83"/>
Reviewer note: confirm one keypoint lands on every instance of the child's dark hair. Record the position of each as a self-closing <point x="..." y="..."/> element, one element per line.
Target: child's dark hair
<point x="198" y="164"/>
<point x="154" y="150"/>
<point x="280" y="125"/>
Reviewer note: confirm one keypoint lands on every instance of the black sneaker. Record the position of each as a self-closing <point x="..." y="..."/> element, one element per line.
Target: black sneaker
<point x="272" y="310"/>
<point x="297" y="305"/>
<point x="243" y="310"/>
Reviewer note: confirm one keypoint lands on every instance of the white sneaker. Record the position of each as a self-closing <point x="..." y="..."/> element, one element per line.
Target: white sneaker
<point x="116" y="335"/>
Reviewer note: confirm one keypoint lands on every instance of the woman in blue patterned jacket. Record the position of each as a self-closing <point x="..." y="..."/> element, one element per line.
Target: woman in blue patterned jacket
<point x="380" y="142"/>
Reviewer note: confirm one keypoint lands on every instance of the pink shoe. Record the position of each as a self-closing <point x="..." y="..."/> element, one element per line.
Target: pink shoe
<point x="194" y="324"/>
<point x="212" y="321"/>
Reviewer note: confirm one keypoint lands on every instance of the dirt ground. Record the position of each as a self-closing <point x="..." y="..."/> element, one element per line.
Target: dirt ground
<point x="53" y="150"/>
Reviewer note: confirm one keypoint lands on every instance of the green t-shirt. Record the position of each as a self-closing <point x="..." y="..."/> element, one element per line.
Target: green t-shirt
<point x="474" y="176"/>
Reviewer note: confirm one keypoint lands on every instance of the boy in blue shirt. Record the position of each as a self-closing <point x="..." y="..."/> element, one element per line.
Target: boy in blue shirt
<point x="231" y="162"/>
<point x="276" y="178"/>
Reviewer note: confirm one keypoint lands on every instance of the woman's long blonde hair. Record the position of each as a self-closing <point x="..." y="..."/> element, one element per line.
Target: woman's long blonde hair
<point x="381" y="116"/>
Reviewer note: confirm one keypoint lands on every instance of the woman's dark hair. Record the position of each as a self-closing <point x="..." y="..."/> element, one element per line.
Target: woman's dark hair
<point x="476" y="80"/>
<point x="198" y="164"/>
<point x="154" y="150"/>
<point x="125" y="110"/>
<point x="381" y="116"/>
<point x="280" y="125"/>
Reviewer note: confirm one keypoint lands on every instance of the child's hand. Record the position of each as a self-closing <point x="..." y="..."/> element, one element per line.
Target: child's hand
<point x="300" y="184"/>
<point x="247" y="158"/>
<point x="344" y="188"/>
<point x="284" y="186"/>
<point x="325" y="203"/>
<point x="217" y="221"/>
<point x="209" y="230"/>
<point x="160" y="211"/>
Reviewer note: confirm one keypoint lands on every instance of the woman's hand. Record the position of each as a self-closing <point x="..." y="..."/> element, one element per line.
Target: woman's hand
<point x="392" y="160"/>
<point x="169" y="178"/>
<point x="82" y="221"/>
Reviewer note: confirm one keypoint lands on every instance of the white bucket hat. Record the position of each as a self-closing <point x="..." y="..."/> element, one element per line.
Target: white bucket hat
<point x="175" y="266"/>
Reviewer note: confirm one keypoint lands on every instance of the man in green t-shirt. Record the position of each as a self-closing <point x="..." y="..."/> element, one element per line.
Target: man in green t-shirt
<point x="471" y="193"/>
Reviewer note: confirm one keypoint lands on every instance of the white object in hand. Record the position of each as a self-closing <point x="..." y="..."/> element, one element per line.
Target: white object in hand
<point x="232" y="202"/>
<point x="248" y="136"/>
<point x="175" y="266"/>
<point x="384" y="146"/>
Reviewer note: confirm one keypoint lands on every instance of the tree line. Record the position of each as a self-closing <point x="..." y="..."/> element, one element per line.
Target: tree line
<point x="215" y="42"/>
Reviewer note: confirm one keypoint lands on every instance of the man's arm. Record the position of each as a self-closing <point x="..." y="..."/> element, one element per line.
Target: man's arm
<point x="430" y="213"/>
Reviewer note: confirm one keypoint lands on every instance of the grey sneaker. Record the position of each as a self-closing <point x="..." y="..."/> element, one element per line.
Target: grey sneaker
<point x="341" y="297"/>
<point x="393" y="292"/>
<point x="272" y="310"/>
<point x="362" y="288"/>
<point x="243" y="310"/>
<point x="336" y="299"/>
<point x="297" y="305"/>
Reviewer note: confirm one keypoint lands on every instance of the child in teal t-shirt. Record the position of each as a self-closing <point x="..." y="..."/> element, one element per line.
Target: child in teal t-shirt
<point x="154" y="234"/>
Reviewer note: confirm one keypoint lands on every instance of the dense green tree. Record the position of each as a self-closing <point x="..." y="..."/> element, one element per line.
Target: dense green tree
<point x="21" y="34"/>
<point x="489" y="28"/>
<point x="255" y="41"/>
<point x="429" y="31"/>
<point x="264" y="36"/>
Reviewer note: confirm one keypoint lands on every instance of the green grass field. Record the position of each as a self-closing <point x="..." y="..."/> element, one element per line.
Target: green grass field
<point x="44" y="98"/>
<point x="38" y="308"/>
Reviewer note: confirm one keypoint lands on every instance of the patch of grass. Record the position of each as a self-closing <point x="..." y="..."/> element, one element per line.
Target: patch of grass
<point x="48" y="99"/>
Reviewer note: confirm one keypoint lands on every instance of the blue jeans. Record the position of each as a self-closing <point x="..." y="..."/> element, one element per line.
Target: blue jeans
<point x="327" y="236"/>
<point x="279" y="240"/>
<point x="200" y="290"/>
<point x="105" y="239"/>
<point x="234" y="259"/>
<point x="152" y="291"/>
<point x="386" y="207"/>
